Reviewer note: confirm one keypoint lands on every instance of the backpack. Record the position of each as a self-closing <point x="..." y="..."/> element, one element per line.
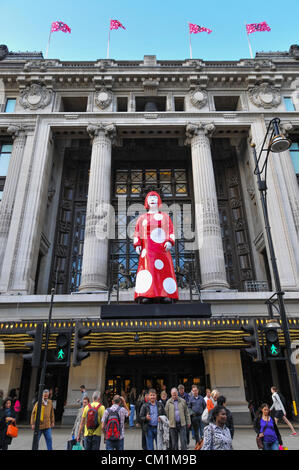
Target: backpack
<point x="92" y="421"/>
<point x="282" y="399"/>
<point x="112" y="428"/>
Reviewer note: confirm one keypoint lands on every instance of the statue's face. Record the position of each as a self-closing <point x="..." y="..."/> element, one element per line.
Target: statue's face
<point x="152" y="201"/>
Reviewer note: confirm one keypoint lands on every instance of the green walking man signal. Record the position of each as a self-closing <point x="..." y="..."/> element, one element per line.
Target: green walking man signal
<point x="60" y="354"/>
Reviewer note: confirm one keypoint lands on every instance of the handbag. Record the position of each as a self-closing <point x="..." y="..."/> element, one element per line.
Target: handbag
<point x="12" y="431"/>
<point x="70" y="444"/>
<point x="205" y="416"/>
<point x="77" y="446"/>
<point x="260" y="440"/>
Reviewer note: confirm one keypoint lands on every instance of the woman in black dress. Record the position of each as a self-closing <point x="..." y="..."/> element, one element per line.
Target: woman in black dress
<point x="7" y="416"/>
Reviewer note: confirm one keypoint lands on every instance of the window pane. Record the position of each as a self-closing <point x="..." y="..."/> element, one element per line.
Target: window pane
<point x="6" y="148"/>
<point x="295" y="156"/>
<point x="1" y="194"/>
<point x="10" y="105"/>
<point x="288" y="102"/>
<point x="4" y="162"/>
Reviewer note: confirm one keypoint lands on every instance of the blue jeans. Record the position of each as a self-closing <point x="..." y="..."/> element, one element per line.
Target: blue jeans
<point x="131" y="417"/>
<point x="271" y="445"/>
<point x="115" y="445"/>
<point x="92" y="442"/>
<point x="48" y="436"/>
<point x="151" y="436"/>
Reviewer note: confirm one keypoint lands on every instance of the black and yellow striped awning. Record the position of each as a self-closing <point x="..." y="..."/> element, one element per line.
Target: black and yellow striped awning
<point x="114" y="335"/>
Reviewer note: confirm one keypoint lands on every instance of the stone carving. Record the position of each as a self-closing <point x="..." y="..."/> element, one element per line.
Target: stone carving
<point x="195" y="129"/>
<point x="264" y="96"/>
<point x="109" y="130"/>
<point x="3" y="51"/>
<point x="41" y="65"/>
<point x="199" y="98"/>
<point x="35" y="96"/>
<point x="103" y="98"/>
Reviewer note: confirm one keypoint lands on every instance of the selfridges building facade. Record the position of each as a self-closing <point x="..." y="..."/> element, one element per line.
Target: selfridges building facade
<point x="81" y="144"/>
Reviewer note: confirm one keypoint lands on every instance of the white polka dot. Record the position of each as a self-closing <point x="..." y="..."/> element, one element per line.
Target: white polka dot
<point x="143" y="281"/>
<point x="159" y="264"/>
<point x="143" y="253"/>
<point x="158" y="216"/>
<point x="169" y="285"/>
<point x="144" y="223"/>
<point x="172" y="237"/>
<point x="158" y="235"/>
<point x="135" y="240"/>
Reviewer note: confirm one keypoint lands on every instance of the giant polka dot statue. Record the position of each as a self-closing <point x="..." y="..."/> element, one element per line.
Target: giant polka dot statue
<point x="153" y="239"/>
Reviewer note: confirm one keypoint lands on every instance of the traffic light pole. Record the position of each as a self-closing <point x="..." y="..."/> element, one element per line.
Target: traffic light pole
<point x="42" y="378"/>
<point x="285" y="327"/>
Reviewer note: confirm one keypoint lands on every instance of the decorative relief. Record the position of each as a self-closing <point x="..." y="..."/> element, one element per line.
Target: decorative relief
<point x="35" y="96"/>
<point x="103" y="98"/>
<point x="199" y="98"/>
<point x="264" y="96"/>
<point x="109" y="130"/>
<point x="199" y="129"/>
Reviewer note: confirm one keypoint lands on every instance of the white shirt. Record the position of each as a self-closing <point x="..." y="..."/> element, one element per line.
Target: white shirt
<point x="277" y="403"/>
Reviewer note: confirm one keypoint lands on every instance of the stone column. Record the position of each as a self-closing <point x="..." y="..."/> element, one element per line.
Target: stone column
<point x="95" y="254"/>
<point x="6" y="207"/>
<point x="279" y="214"/>
<point x="225" y="369"/>
<point x="21" y="254"/>
<point x="208" y="230"/>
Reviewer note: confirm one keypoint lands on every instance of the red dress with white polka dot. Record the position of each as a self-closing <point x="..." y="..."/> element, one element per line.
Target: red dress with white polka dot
<point x="155" y="275"/>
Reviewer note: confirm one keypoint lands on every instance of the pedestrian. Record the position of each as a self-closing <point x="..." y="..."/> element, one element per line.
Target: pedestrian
<point x="91" y="421"/>
<point x="163" y="398"/>
<point x="76" y="426"/>
<point x="7" y="416"/>
<point x="217" y="435"/>
<point x="280" y="412"/>
<point x="132" y="403"/>
<point x="208" y="395"/>
<point x="105" y="400"/>
<point x="113" y="423"/>
<point x="83" y="394"/>
<point x="47" y="419"/>
<point x="268" y="435"/>
<point x="196" y="407"/>
<point x="149" y="416"/>
<point x="139" y="421"/>
<point x="1" y="398"/>
<point x="212" y="401"/>
<point x="221" y="401"/>
<point x="179" y="419"/>
<point x="183" y="394"/>
<point x="252" y="410"/>
<point x="16" y="406"/>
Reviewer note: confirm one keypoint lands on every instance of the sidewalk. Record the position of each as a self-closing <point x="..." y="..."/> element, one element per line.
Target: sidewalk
<point x="244" y="439"/>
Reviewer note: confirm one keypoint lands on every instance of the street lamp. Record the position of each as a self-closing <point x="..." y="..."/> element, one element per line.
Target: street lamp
<point x="277" y="143"/>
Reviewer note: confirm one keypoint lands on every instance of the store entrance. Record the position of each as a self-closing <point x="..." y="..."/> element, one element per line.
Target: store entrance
<point x="154" y="371"/>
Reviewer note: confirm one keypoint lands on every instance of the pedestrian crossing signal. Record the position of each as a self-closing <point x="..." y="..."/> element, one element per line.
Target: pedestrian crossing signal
<point x="62" y="352"/>
<point x="272" y="343"/>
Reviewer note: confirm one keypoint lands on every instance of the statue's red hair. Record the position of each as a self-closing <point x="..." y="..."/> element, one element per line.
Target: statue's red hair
<point x="152" y="193"/>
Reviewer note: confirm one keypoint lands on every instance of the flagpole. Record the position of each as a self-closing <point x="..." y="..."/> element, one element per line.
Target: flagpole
<point x="48" y="42"/>
<point x="190" y="42"/>
<point x="250" y="50"/>
<point x="108" y="46"/>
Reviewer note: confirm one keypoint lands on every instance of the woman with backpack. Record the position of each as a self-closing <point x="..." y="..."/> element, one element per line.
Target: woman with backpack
<point x="280" y="412"/>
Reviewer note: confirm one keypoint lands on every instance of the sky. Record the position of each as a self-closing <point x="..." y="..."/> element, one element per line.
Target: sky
<point x="158" y="27"/>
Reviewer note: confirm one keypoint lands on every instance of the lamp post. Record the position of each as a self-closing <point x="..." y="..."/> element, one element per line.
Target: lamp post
<point x="277" y="143"/>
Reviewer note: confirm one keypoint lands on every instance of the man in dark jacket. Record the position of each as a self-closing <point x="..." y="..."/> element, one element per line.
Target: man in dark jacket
<point x="196" y="405"/>
<point x="149" y="416"/>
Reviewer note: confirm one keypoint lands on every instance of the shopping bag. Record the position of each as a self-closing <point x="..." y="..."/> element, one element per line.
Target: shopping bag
<point x="77" y="446"/>
<point x="70" y="444"/>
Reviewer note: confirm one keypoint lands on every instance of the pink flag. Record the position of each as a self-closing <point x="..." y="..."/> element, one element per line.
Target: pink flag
<point x="195" y="28"/>
<point x="115" y="24"/>
<point x="254" y="27"/>
<point x="60" y="26"/>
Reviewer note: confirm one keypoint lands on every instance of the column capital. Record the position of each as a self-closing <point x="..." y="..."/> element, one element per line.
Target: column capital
<point x="107" y="130"/>
<point x="19" y="130"/>
<point x="194" y="129"/>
